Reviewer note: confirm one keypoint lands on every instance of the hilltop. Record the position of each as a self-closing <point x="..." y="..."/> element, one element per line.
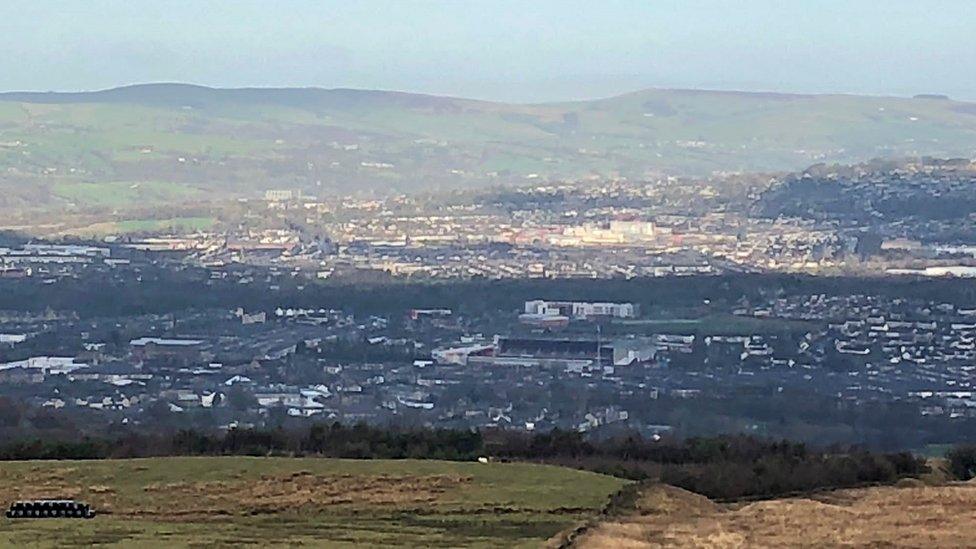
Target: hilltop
<point x="173" y="143"/>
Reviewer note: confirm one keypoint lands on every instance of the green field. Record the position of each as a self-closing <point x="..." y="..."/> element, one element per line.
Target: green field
<point x="207" y="502"/>
<point x="120" y="194"/>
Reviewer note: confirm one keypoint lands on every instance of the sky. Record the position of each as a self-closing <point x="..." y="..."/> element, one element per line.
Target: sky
<point x="525" y="50"/>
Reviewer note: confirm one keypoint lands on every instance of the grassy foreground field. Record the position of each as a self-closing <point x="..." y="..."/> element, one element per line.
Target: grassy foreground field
<point x="206" y="502"/>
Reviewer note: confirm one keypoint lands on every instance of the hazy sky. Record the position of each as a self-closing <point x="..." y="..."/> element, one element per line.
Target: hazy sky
<point x="525" y="50"/>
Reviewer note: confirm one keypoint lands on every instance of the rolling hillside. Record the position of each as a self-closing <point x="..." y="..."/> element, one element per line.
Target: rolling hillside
<point x="910" y="515"/>
<point x="167" y="143"/>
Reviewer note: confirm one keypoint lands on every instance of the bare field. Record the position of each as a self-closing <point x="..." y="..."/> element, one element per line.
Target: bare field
<point x="184" y="502"/>
<point x="909" y="515"/>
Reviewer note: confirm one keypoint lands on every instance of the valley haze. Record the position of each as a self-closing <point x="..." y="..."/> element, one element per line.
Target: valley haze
<point x="557" y="273"/>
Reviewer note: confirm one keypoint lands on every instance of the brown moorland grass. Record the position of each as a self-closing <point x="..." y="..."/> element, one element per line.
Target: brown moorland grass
<point x="913" y="515"/>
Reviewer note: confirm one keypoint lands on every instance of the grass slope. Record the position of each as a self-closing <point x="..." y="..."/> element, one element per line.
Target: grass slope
<point x="909" y="515"/>
<point x="208" y="502"/>
<point x="235" y="141"/>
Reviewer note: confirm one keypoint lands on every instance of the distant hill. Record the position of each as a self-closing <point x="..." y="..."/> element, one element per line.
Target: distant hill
<point x="170" y="142"/>
<point x="202" y="97"/>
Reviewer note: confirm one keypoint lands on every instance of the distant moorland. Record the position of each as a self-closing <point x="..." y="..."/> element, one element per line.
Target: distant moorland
<point x="173" y="143"/>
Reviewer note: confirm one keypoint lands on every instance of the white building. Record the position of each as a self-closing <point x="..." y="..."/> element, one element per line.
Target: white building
<point x="281" y="195"/>
<point x="46" y="365"/>
<point x="459" y="355"/>
<point x="580" y="309"/>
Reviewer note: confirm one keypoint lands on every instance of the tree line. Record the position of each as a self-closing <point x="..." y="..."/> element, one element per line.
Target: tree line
<point x="160" y="291"/>
<point x="723" y="467"/>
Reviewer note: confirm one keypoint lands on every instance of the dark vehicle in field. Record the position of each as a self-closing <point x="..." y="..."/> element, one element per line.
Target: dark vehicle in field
<point x="50" y="508"/>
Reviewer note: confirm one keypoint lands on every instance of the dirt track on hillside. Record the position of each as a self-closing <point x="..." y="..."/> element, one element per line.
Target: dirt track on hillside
<point x="912" y="515"/>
